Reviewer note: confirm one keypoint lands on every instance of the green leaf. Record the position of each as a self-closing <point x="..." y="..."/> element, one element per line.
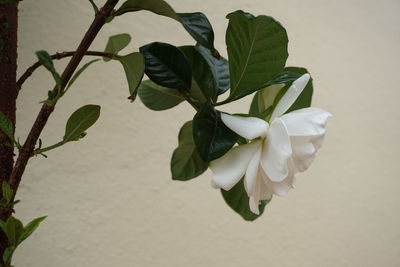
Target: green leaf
<point x="6" y="126"/>
<point x="257" y="50"/>
<point x="213" y="139"/>
<point x="238" y="200"/>
<point x="199" y="27"/>
<point x="7" y="255"/>
<point x="167" y="66"/>
<point x="134" y="70"/>
<point x="116" y="43"/>
<point x="186" y="162"/>
<point x="95" y="8"/>
<point x="219" y="68"/>
<point x="80" y="121"/>
<point x="30" y="228"/>
<point x="3" y="225"/>
<point x="7" y="191"/>
<point x="159" y="7"/>
<point x="13" y="230"/>
<point x="196" y="24"/>
<point x="47" y="62"/>
<point x="157" y="97"/>
<point x="77" y="74"/>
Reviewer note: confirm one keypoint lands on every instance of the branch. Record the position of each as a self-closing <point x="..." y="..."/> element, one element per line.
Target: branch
<point x="45" y="112"/>
<point x="57" y="56"/>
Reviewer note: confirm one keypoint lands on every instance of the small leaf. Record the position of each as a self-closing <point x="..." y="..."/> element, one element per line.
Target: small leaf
<point x="167" y="66"/>
<point x="257" y="50"/>
<point x="95" y="8"/>
<point x="80" y="121"/>
<point x="186" y="162"/>
<point x="199" y="27"/>
<point x="238" y="200"/>
<point x="7" y="191"/>
<point x="7" y="255"/>
<point x="134" y="70"/>
<point x="156" y="97"/>
<point x="213" y="139"/>
<point x="116" y="43"/>
<point x="47" y="62"/>
<point x="78" y="73"/>
<point x="6" y="126"/>
<point x="159" y="7"/>
<point x="13" y="230"/>
<point x="3" y="225"/>
<point x="30" y="228"/>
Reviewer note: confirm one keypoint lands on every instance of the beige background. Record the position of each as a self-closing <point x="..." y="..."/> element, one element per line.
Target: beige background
<point x="110" y="199"/>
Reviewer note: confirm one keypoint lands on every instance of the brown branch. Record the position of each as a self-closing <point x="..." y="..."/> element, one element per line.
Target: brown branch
<point x="57" y="56"/>
<point x="45" y="112"/>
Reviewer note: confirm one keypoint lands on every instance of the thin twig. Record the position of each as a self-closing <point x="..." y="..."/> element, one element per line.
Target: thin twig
<point x="29" y="71"/>
<point x="26" y="151"/>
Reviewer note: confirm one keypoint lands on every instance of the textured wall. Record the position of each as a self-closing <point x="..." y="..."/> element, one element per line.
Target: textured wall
<point x="110" y="199"/>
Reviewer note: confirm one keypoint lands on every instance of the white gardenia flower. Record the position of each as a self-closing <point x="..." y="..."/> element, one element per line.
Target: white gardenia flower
<point x="279" y="150"/>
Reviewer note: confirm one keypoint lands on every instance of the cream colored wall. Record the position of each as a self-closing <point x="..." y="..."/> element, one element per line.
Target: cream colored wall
<point x="110" y="199"/>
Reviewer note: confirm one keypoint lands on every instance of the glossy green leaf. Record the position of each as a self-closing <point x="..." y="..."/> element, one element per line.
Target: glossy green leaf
<point x="47" y="62"/>
<point x="7" y="255"/>
<point x="196" y="24"/>
<point x="6" y="126"/>
<point x="80" y="121"/>
<point x="186" y="162"/>
<point x="212" y="138"/>
<point x="116" y="43"/>
<point x="166" y="65"/>
<point x="134" y="70"/>
<point x="159" y="7"/>
<point x="77" y="74"/>
<point x="7" y="191"/>
<point x="257" y="50"/>
<point x="30" y="228"/>
<point x="238" y="200"/>
<point x="13" y="230"/>
<point x="157" y="97"/>
<point x="199" y="27"/>
<point x="219" y="69"/>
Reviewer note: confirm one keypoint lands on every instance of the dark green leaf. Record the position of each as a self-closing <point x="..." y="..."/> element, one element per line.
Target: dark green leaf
<point x="7" y="191"/>
<point x="257" y="50"/>
<point x="219" y="68"/>
<point x="167" y="66"/>
<point x="156" y="97"/>
<point x="7" y="255"/>
<point x="78" y="73"/>
<point x="30" y="228"/>
<point x="159" y="7"/>
<point x="186" y="162"/>
<point x="47" y="62"/>
<point x="134" y="69"/>
<point x="6" y="126"/>
<point x="198" y="26"/>
<point x="13" y="230"/>
<point x="3" y="225"/>
<point x="95" y="8"/>
<point x="116" y="43"/>
<point x="80" y="121"/>
<point x="213" y="139"/>
<point x="238" y="200"/>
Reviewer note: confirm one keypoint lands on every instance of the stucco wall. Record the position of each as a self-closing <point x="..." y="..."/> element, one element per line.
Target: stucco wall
<point x="110" y="198"/>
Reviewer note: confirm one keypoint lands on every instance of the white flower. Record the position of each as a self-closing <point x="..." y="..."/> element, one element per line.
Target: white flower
<point x="282" y="148"/>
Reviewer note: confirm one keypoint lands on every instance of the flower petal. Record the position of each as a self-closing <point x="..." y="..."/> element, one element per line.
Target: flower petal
<point x="260" y="192"/>
<point x="290" y="96"/>
<point x="230" y="168"/>
<point x="252" y="172"/>
<point x="306" y="128"/>
<point x="283" y="187"/>
<point x="247" y="127"/>
<point x="276" y="152"/>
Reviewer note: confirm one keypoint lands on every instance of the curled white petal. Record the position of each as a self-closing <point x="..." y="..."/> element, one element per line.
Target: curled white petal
<point x="252" y="172"/>
<point x="290" y="96"/>
<point x="276" y="152"/>
<point x="306" y="128"/>
<point x="260" y="192"/>
<point x="281" y="188"/>
<point x="247" y="127"/>
<point x="230" y="168"/>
